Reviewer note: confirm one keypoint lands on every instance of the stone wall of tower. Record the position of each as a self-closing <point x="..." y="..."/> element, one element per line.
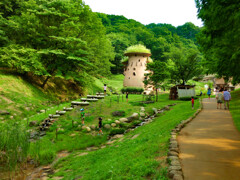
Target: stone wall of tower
<point x="134" y="71"/>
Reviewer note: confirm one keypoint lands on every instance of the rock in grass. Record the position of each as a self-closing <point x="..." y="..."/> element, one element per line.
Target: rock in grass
<point x="172" y="158"/>
<point x="33" y="123"/>
<point x="93" y="126"/>
<point x="107" y="126"/>
<point x="142" y="114"/>
<point x="11" y="117"/>
<point x="174" y="149"/>
<point x="88" y="129"/>
<point x="135" y="116"/>
<point x="172" y="153"/>
<point x="176" y="168"/>
<point x="155" y="110"/>
<point x="177" y="177"/>
<point x="117" y="122"/>
<point x="173" y="172"/>
<point x="118" y="113"/>
<point x="42" y="111"/>
<point x="123" y="120"/>
<point x="175" y="163"/>
<point x="113" y="125"/>
<point x="84" y="127"/>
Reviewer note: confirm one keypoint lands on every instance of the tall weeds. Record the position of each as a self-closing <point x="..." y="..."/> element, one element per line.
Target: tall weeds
<point x="14" y="145"/>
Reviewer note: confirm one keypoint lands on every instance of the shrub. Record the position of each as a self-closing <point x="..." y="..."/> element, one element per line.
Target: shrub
<point x="116" y="131"/>
<point x="120" y="113"/>
<point x="132" y="90"/>
<point x="187" y="98"/>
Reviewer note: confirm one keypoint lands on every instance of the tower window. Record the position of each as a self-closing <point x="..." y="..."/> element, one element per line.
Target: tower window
<point x="129" y="78"/>
<point x="134" y="73"/>
<point x="139" y="60"/>
<point x="134" y="69"/>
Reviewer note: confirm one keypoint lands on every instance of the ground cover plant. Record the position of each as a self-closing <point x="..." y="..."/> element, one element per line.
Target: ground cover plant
<point x="140" y="154"/>
<point x="235" y="107"/>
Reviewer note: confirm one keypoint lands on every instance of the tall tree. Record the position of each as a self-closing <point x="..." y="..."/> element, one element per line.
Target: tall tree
<point x="220" y="36"/>
<point x="183" y="64"/>
<point x="157" y="75"/>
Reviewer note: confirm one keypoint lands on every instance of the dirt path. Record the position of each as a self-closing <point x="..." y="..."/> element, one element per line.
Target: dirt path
<point x="210" y="145"/>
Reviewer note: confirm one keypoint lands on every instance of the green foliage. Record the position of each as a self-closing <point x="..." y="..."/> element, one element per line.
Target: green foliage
<point x="157" y="74"/>
<point x="132" y="90"/>
<point x="54" y="38"/>
<point x="183" y="64"/>
<point x="14" y="145"/>
<point x="116" y="131"/>
<point x="219" y="37"/>
<point x="137" y="48"/>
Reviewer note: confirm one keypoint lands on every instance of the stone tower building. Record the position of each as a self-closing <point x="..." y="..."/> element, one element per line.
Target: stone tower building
<point x="135" y="68"/>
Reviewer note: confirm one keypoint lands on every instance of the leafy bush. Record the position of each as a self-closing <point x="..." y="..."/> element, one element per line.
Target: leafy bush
<point x="132" y="90"/>
<point x="120" y="113"/>
<point x="116" y="131"/>
<point x="187" y="98"/>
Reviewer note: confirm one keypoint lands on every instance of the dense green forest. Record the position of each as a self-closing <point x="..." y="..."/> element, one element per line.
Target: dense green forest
<point x="66" y="39"/>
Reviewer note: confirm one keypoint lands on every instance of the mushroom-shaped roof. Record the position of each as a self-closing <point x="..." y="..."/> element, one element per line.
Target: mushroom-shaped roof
<point x="137" y="49"/>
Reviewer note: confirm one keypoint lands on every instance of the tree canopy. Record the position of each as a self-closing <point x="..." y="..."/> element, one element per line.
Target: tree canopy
<point x="219" y="39"/>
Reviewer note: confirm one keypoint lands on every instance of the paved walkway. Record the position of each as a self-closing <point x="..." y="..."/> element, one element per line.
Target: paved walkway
<point x="210" y="145"/>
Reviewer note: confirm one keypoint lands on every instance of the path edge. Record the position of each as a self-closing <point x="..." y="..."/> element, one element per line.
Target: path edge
<point x="175" y="168"/>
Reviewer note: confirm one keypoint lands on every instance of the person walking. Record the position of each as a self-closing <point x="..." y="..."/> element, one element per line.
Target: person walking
<point x="192" y="99"/>
<point x="82" y="115"/>
<point x="219" y="98"/>
<point x="127" y="96"/>
<point x="105" y="89"/>
<point x="209" y="92"/>
<point x="100" y="125"/>
<point x="227" y="98"/>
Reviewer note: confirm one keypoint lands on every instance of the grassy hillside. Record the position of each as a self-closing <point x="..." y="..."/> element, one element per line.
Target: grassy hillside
<point x="235" y="107"/>
<point x="19" y="97"/>
<point x="141" y="154"/>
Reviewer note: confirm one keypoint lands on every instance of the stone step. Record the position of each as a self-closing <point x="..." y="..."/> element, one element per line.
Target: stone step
<point x="67" y="109"/>
<point x="60" y="112"/>
<point x="53" y="115"/>
<point x="77" y="103"/>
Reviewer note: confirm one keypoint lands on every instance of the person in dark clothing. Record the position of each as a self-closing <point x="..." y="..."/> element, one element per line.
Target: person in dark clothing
<point x="100" y="125"/>
<point x="127" y="96"/>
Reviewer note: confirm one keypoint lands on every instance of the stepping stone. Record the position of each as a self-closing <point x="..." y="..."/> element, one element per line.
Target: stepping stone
<point x="92" y="100"/>
<point x="68" y="109"/>
<point x="60" y="112"/>
<point x="84" y="99"/>
<point x="99" y="93"/>
<point x="90" y="96"/>
<point x="99" y="97"/>
<point x="79" y="103"/>
<point x="53" y="115"/>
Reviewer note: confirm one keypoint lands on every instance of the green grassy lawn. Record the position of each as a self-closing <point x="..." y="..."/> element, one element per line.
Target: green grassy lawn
<point x="131" y="158"/>
<point x="235" y="107"/>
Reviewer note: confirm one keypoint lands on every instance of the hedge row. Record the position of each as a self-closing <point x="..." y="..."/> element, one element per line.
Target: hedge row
<point x="132" y="90"/>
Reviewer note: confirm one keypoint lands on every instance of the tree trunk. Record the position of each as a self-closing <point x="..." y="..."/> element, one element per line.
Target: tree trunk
<point x="156" y="95"/>
<point x="45" y="81"/>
